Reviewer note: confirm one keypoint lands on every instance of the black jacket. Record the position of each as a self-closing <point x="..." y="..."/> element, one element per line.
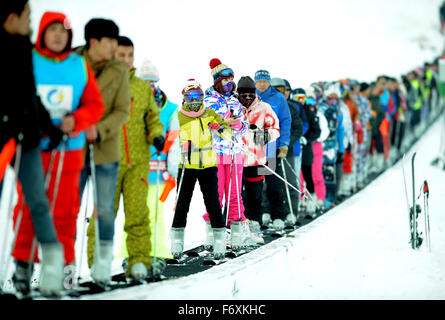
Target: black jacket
<point x="20" y="108"/>
<point x="296" y="130"/>
<point x="311" y="135"/>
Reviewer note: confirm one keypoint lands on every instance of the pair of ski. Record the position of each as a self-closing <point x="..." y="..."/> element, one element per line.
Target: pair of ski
<point x="415" y="209"/>
<point x="206" y="256"/>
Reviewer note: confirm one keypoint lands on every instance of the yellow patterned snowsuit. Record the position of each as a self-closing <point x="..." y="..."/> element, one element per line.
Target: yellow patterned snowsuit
<point x="137" y="134"/>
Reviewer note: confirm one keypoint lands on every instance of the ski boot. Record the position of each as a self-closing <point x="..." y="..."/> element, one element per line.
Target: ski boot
<point x="177" y="242"/>
<point x="266" y="219"/>
<point x="236" y="235"/>
<point x="219" y="246"/>
<point x="255" y="232"/>
<point x="139" y="271"/>
<point x="52" y="271"/>
<point x="311" y="208"/>
<point x="22" y="277"/>
<point x="101" y="269"/>
<point x="208" y="244"/>
<point x="157" y="267"/>
<point x="278" y="225"/>
<point x="291" y="219"/>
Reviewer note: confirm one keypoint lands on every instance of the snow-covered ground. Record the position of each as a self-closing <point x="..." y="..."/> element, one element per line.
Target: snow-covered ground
<point x="360" y="249"/>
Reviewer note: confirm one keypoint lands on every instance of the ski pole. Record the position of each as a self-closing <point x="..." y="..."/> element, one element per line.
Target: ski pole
<point x="263" y="165"/>
<point x="305" y="193"/>
<point x="85" y="221"/>
<point x="180" y="182"/>
<point x="227" y="207"/>
<point x="287" y="188"/>
<point x="426" y="194"/>
<point x="5" y="256"/>
<point x="156" y="209"/>
<point x="414" y="202"/>
<point x="406" y="195"/>
<point x="95" y="201"/>
<point x="55" y="190"/>
<point x="237" y="188"/>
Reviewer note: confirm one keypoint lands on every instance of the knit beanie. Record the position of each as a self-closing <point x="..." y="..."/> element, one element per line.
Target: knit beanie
<point x="148" y="71"/>
<point x="262" y="75"/>
<point x="219" y="70"/>
<point x="246" y="85"/>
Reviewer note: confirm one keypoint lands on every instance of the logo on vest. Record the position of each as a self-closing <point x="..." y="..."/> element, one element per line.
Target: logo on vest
<point x="57" y="99"/>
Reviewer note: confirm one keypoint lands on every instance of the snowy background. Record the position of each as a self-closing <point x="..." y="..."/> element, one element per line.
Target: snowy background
<point x="360" y="249"/>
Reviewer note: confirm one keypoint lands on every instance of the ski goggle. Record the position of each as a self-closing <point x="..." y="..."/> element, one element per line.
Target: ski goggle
<point x="193" y="95"/>
<point x="225" y="73"/>
<point x="310" y="101"/>
<point x="281" y="89"/>
<point x="301" y="98"/>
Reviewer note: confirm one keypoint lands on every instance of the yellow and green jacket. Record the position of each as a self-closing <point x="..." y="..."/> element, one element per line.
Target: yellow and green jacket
<point x="143" y="124"/>
<point x="196" y="137"/>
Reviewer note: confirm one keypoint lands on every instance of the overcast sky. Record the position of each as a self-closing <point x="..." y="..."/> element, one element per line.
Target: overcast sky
<point x="302" y="41"/>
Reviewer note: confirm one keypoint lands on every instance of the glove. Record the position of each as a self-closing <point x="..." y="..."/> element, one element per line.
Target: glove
<point x="283" y="152"/>
<point x="303" y="141"/>
<point x="55" y="137"/>
<point x="159" y="142"/>
<point x="261" y="137"/>
<point x="216" y="127"/>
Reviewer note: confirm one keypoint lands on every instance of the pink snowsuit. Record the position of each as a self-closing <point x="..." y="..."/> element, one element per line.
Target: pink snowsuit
<point x="224" y="149"/>
<point x="317" y="170"/>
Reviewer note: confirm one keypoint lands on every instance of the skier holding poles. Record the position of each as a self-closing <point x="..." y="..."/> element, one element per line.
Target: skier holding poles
<point x="221" y="98"/>
<point x="264" y="127"/>
<point x="199" y="163"/>
<point x="78" y="106"/>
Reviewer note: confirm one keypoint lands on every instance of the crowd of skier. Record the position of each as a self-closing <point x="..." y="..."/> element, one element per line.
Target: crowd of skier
<point x="265" y="153"/>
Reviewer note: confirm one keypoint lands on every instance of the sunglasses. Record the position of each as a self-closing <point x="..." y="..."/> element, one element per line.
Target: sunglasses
<point x="247" y="96"/>
<point x="193" y="95"/>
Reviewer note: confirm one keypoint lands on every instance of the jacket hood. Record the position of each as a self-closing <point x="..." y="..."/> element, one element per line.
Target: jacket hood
<point x="48" y="18"/>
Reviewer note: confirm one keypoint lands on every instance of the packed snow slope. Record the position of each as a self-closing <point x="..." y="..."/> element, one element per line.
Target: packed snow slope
<point x="358" y="250"/>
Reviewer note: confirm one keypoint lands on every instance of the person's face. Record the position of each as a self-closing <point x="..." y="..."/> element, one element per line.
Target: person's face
<point x="226" y="80"/>
<point x="19" y="24"/>
<point x="287" y="92"/>
<point x="126" y="55"/>
<point x="262" y="85"/>
<point x="105" y="48"/>
<point x="56" y="37"/>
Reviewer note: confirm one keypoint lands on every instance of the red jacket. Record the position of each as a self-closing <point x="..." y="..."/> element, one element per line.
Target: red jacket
<point x="91" y="106"/>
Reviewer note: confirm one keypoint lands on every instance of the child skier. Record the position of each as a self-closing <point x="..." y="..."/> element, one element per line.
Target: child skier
<point x="221" y="98"/>
<point x="199" y="163"/>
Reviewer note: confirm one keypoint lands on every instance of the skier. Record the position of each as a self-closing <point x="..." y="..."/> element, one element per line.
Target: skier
<point x="142" y="129"/>
<point x="56" y="69"/>
<point x="296" y="133"/>
<point x="112" y="77"/>
<point x="264" y="127"/>
<point x="221" y="97"/>
<point x="23" y="118"/>
<point x="199" y="163"/>
<point x="307" y="159"/>
<point x="167" y="164"/>
<point x="364" y="107"/>
<point x="348" y="185"/>
<point x="276" y="150"/>
<point x="333" y="147"/>
<point x="376" y="151"/>
<point x="317" y="150"/>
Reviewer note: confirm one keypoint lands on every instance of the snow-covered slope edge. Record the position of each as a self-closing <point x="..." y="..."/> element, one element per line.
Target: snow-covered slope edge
<point x="359" y="250"/>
